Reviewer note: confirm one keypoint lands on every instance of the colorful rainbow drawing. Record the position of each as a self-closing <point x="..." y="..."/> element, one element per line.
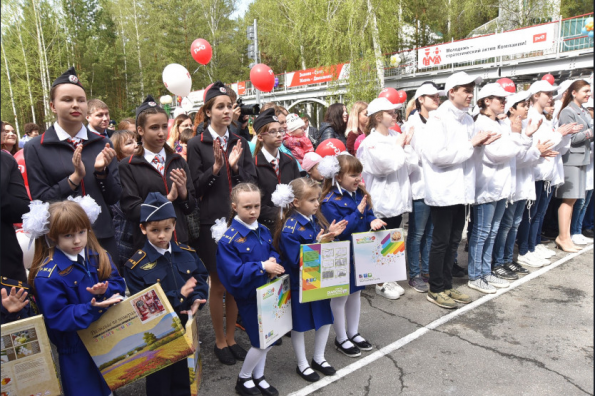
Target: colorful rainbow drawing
<point x="283" y="297"/>
<point x="389" y="247"/>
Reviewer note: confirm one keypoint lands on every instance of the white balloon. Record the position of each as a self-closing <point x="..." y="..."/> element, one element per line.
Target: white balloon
<point x="28" y="253"/>
<point x="178" y="111"/>
<point x="165" y="99"/>
<point x="177" y="80"/>
<point x="187" y="104"/>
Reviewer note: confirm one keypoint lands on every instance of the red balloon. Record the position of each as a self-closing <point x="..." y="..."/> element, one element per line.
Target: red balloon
<point x="201" y="51"/>
<point x="330" y="147"/>
<point x="402" y="96"/>
<point x="391" y="94"/>
<point x="507" y="84"/>
<point x="20" y="157"/>
<point x="549" y="78"/>
<point x="204" y="94"/>
<point x="262" y="77"/>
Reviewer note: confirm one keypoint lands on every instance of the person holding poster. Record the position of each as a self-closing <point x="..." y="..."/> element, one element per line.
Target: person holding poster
<point x="346" y="199"/>
<point x="302" y="225"/>
<point x="179" y="271"/>
<point x="75" y="282"/>
<point x="246" y="259"/>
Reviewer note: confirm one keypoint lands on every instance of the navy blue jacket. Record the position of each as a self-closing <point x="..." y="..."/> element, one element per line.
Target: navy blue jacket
<point x="49" y="163"/>
<point x="337" y="206"/>
<point x="148" y="267"/>
<point x="63" y="299"/>
<point x="240" y="253"/>
<point x="298" y="231"/>
<point x="7" y="317"/>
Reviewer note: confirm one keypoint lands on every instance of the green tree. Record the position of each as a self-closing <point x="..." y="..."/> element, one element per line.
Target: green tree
<point x="149" y="338"/>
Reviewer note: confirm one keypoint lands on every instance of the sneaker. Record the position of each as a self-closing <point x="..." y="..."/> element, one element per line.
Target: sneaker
<point x="517" y="269"/>
<point x="579" y="239"/>
<point x="481" y="285"/>
<point x="457" y="271"/>
<point x="544" y="252"/>
<point x="398" y="288"/>
<point x="418" y="284"/>
<point x="441" y="299"/>
<point x="387" y="290"/>
<point x="458" y="296"/>
<point x="496" y="282"/>
<point x="530" y="260"/>
<point x="503" y="273"/>
<point x="425" y="277"/>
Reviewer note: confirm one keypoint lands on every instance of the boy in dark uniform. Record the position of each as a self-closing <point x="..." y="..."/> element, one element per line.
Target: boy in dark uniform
<point x="181" y="274"/>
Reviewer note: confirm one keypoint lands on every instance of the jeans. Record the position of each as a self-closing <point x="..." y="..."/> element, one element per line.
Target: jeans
<point x="486" y="222"/>
<point x="419" y="238"/>
<point x="449" y="222"/>
<point x="504" y="245"/>
<point x="588" y="219"/>
<point x="578" y="213"/>
<point x="529" y="230"/>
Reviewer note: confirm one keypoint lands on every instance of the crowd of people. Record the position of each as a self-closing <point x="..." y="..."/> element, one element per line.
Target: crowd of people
<point x="119" y="210"/>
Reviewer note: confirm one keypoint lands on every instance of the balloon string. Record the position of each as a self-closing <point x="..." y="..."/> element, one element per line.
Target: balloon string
<point x="196" y="70"/>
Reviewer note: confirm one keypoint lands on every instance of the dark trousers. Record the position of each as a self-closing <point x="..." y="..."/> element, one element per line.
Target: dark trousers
<point x="173" y="380"/>
<point x="449" y="222"/>
<point x="111" y="246"/>
<point x="393" y="222"/>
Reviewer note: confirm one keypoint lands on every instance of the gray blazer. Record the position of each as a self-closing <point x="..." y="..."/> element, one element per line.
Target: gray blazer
<point x="580" y="143"/>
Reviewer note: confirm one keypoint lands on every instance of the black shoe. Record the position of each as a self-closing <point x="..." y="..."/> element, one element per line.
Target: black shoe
<point x="329" y="370"/>
<point x="363" y="345"/>
<point x="467" y="246"/>
<point x="351" y="352"/>
<point x="225" y="356"/>
<point x="238" y="352"/>
<point x="503" y="273"/>
<point x="243" y="391"/>
<point x="588" y="232"/>
<point x="310" y="377"/>
<point x="270" y="391"/>
<point x="516" y="268"/>
<point x="457" y="271"/>
<point x="546" y="239"/>
<point x="279" y="342"/>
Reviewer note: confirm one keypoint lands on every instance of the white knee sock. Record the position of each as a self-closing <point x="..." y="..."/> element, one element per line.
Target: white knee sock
<point x="352" y="312"/>
<point x="338" y="308"/>
<point x="320" y="339"/>
<point x="259" y="369"/>
<point x="299" y="347"/>
<point x="253" y="358"/>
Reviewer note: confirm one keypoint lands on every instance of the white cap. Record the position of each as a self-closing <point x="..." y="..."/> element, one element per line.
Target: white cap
<point x="563" y="87"/>
<point x="460" y="78"/>
<point x="516" y="98"/>
<point x="541" y="86"/>
<point x="492" y="89"/>
<point x="294" y="122"/>
<point x="427" y="89"/>
<point x="382" y="104"/>
<point x="588" y="103"/>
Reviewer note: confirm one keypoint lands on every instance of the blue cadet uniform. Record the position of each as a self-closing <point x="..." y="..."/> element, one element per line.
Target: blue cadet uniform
<point x="171" y="268"/>
<point x="337" y="206"/>
<point x="7" y="317"/>
<point x="240" y="253"/>
<point x="298" y="230"/>
<point x="63" y="299"/>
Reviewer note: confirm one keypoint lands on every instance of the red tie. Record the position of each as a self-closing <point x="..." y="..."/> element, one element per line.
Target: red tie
<point x="158" y="163"/>
<point x="223" y="141"/>
<point x="75" y="141"/>
<point x="276" y="166"/>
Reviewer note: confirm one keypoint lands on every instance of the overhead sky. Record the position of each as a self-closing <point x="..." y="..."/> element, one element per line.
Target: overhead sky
<point x="242" y="7"/>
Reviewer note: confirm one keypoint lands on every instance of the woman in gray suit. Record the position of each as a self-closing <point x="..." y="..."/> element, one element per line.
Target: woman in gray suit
<point x="575" y="160"/>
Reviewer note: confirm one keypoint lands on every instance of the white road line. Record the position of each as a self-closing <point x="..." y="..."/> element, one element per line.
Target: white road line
<point x="438" y="322"/>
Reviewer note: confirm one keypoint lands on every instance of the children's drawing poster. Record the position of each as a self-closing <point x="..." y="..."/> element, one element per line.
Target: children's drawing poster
<point x="27" y="365"/>
<point x="324" y="271"/>
<point x="273" y="301"/>
<point x="137" y="337"/>
<point x="379" y="257"/>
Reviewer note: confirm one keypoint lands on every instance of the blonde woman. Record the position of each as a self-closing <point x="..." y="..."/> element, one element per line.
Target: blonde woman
<point x="180" y="123"/>
<point x="356" y="124"/>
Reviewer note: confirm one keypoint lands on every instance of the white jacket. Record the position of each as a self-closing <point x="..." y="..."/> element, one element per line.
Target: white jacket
<point x="549" y="169"/>
<point x="448" y="169"/>
<point x="416" y="175"/>
<point x="386" y="173"/>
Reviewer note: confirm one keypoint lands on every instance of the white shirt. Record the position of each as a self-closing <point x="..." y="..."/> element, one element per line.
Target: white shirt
<point x="269" y="157"/>
<point x="160" y="250"/>
<point x="216" y="136"/>
<point x="73" y="257"/>
<point x="63" y="135"/>
<point x="416" y="176"/>
<point x="104" y="133"/>
<point x="150" y="155"/>
<point x="253" y="226"/>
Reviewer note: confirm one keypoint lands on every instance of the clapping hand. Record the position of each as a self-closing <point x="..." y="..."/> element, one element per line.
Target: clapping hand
<point x="179" y="178"/>
<point x="235" y="155"/>
<point x="98" y="288"/>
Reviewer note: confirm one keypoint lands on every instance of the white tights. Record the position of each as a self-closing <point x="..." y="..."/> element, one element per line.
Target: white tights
<point x="347" y="307"/>
<point x="299" y="346"/>
<point x="253" y="366"/>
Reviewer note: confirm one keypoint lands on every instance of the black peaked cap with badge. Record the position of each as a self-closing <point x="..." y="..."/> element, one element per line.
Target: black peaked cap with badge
<point x="156" y="208"/>
<point x="68" y="77"/>
<point x="149" y="103"/>
<point x="266" y="117"/>
<point x="217" y="89"/>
